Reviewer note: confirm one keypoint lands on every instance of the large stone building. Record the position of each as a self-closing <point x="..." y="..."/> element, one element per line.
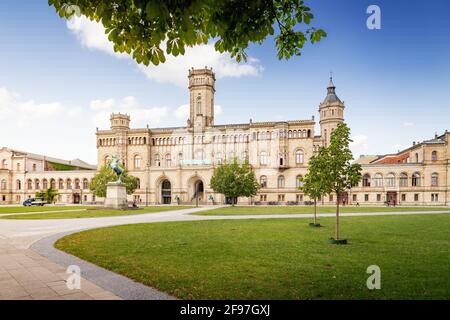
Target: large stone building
<point x="176" y="164"/>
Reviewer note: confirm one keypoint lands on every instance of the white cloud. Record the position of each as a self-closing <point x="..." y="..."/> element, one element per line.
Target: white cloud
<point x="359" y="145"/>
<point x="92" y="35"/>
<point x="183" y="112"/>
<point x="23" y="112"/>
<point x="408" y="124"/>
<point x="140" y="115"/>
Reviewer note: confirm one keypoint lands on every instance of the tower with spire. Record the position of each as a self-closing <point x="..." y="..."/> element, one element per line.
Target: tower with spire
<point x="331" y="113"/>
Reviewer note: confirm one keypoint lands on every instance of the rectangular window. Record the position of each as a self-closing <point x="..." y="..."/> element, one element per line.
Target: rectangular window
<point x="299" y="198"/>
<point x="403" y="197"/>
<point x="366" y="197"/>
<point x="355" y="197"/>
<point x="331" y="198"/>
<point x="281" y="198"/>
<point x="3" y="198"/>
<point x="263" y="198"/>
<point x="416" y="197"/>
<point x="378" y="197"/>
<point x="434" y="197"/>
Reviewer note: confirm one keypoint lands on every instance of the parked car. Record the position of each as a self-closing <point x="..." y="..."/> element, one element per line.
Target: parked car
<point x="34" y="202"/>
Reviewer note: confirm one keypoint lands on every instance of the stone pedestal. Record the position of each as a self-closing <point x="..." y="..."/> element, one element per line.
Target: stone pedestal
<point x="116" y="196"/>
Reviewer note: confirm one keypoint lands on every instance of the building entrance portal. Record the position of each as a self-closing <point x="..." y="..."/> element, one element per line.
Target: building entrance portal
<point x="166" y="192"/>
<point x="391" y="198"/>
<point x="199" y="192"/>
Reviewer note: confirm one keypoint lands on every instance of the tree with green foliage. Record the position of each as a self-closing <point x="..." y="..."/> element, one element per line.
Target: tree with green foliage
<point x="342" y="174"/>
<point x="315" y="182"/>
<point x="150" y="29"/>
<point x="235" y="180"/>
<point x="48" y="195"/>
<point x="105" y="175"/>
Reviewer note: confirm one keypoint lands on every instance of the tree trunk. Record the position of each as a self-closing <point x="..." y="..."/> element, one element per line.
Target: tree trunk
<point x="315" y="210"/>
<point x="337" y="216"/>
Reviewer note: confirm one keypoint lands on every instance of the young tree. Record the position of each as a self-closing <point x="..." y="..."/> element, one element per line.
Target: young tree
<point x="341" y="172"/>
<point x="314" y="183"/>
<point x="105" y="175"/>
<point x="235" y="180"/>
<point x="150" y="29"/>
<point x="48" y="195"/>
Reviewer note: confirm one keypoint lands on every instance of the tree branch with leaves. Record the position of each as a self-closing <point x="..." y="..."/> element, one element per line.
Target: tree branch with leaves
<point x="149" y="30"/>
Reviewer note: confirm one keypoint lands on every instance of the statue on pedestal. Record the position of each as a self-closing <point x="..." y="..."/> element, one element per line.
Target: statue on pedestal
<point x="114" y="164"/>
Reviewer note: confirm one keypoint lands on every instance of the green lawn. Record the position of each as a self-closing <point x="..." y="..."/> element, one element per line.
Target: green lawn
<point x="20" y="209"/>
<point x="262" y="210"/>
<point x="277" y="258"/>
<point x="92" y="213"/>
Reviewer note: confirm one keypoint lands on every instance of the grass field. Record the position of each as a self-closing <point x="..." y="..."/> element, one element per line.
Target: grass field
<point x="257" y="210"/>
<point x="91" y="213"/>
<point x="277" y="258"/>
<point x="21" y="209"/>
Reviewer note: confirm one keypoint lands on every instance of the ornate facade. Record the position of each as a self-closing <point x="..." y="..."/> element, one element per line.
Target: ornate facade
<point x="176" y="164"/>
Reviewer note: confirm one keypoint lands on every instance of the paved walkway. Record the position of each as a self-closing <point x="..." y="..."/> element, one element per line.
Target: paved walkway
<point x="27" y="274"/>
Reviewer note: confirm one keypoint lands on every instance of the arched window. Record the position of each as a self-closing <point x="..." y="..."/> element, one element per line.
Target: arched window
<point x="77" y="184"/>
<point x="378" y="180"/>
<point x="309" y="133"/>
<point x="19" y="185"/>
<point x="61" y="184"/>
<point x="403" y="179"/>
<point x="180" y="157"/>
<point x="416" y="179"/>
<point x="417" y="157"/>
<point x="434" y="180"/>
<point x="29" y="184"/>
<point x="263" y="158"/>
<point x="299" y="181"/>
<point x="199" y="105"/>
<point x="281" y="182"/>
<point x="107" y="160"/>
<point x="69" y="184"/>
<point x="244" y="156"/>
<point x="85" y="184"/>
<point x="219" y="157"/>
<point x="34" y="167"/>
<point x="137" y="162"/>
<point x="299" y="157"/>
<point x="37" y="184"/>
<point x="434" y="156"/>
<point x="263" y="181"/>
<point x="45" y="184"/>
<point x="157" y="160"/>
<point x="53" y="184"/>
<point x="290" y="134"/>
<point x="138" y="183"/>
<point x="168" y="160"/>
<point x="4" y="164"/>
<point x="199" y="154"/>
<point x="366" y="180"/>
<point x="390" y="180"/>
<point x="4" y="185"/>
<point x="18" y="167"/>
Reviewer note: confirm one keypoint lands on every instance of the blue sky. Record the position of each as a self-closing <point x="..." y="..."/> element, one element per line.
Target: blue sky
<point x="58" y="82"/>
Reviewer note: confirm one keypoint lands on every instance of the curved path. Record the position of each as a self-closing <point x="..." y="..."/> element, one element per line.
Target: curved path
<point x="28" y="258"/>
